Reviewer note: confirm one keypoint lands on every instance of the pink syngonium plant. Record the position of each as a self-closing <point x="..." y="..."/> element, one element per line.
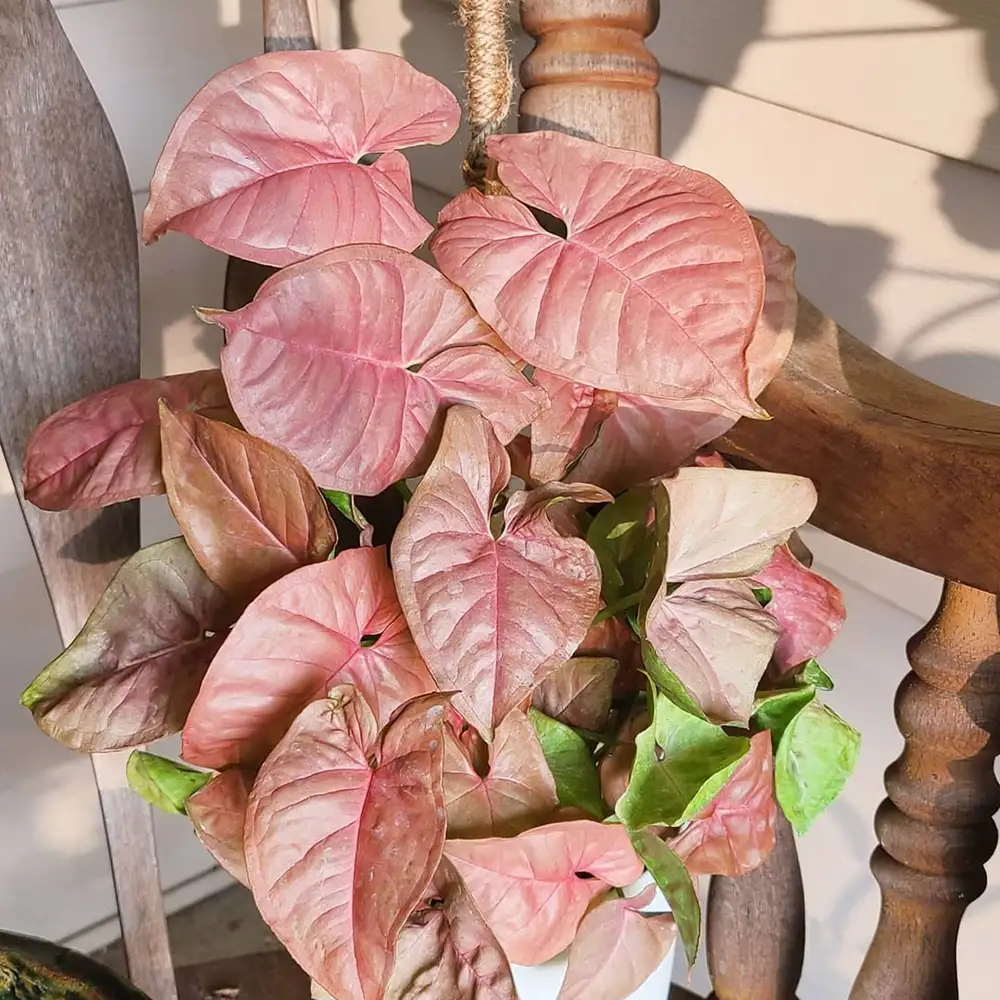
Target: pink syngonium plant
<point x="442" y="727"/>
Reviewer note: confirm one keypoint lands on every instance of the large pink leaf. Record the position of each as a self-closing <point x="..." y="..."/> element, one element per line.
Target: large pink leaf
<point x="656" y="288"/>
<point x="717" y="640"/>
<point x="647" y="437"/>
<point x="560" y="433"/>
<point x="339" y="848"/>
<point x="530" y="888"/>
<point x="727" y="522"/>
<point x="106" y="447"/>
<point x="446" y="951"/>
<point x="380" y="344"/>
<point x="491" y="616"/>
<point x="263" y="163"/>
<point x="336" y="621"/>
<point x="218" y="813"/>
<point x="734" y="833"/>
<point x="516" y="792"/>
<point x="808" y="608"/>
<point x="617" y="949"/>
<point x="579" y="692"/>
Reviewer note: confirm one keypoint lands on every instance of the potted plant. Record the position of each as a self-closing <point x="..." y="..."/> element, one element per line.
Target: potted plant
<point x="467" y="636"/>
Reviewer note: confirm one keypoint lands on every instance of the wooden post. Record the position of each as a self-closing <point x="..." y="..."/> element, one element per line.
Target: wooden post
<point x="590" y="72"/>
<point x="935" y="828"/>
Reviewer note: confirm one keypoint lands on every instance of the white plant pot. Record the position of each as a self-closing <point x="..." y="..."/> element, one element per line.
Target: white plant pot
<point x="542" y="982"/>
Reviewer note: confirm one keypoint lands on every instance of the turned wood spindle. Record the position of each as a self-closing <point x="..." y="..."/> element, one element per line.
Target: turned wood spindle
<point x="935" y="829"/>
<point x="590" y="73"/>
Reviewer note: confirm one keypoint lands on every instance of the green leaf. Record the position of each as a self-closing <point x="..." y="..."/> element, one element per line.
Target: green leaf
<point x="764" y="595"/>
<point x="814" y="674"/>
<point x="623" y="544"/>
<point x="572" y="766"/>
<point x="344" y="502"/>
<point x="676" y="757"/>
<point x="774" y="710"/>
<point x="815" y="758"/>
<point x="675" y="882"/>
<point x="164" y="783"/>
<point x="667" y="681"/>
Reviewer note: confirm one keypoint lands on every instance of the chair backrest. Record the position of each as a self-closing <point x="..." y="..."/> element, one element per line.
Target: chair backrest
<point x="904" y="469"/>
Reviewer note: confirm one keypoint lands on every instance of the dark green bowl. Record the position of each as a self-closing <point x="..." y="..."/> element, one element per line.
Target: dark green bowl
<point x="32" y="969"/>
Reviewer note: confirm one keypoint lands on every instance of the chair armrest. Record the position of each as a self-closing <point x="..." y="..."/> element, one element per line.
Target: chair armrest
<point x="903" y="467"/>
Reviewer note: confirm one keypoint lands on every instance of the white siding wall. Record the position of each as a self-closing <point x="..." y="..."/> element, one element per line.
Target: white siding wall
<point x="864" y="131"/>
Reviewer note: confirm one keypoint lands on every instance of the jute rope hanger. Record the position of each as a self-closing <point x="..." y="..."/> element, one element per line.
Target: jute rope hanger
<point x="489" y="81"/>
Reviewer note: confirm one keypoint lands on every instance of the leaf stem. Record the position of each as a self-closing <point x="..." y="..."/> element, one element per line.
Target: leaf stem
<point x="622" y="604"/>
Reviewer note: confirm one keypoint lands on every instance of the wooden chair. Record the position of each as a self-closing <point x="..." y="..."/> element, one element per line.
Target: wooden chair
<point x="904" y="469"/>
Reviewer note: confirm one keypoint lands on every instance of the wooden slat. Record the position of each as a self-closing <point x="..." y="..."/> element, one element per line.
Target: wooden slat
<point x="69" y="319"/>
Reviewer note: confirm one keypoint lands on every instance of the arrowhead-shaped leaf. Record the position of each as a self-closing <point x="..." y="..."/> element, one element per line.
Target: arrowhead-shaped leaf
<point x="808" y="608"/>
<point x="616" y="949"/>
<point x="648" y="437"/>
<point x="774" y="710"/>
<point x="579" y="692"/>
<point x="675" y="882"/>
<point x="446" y="952"/>
<point x="816" y="756"/>
<point x="164" y="783"/>
<point x="728" y="522"/>
<point x="134" y="670"/>
<point x="492" y="617"/>
<point x="656" y="288"/>
<point x="334" y="622"/>
<point x="734" y="833"/>
<point x="344" y="832"/>
<point x="717" y="640"/>
<point x="380" y="344"/>
<point x="572" y="765"/>
<point x="530" y="888"/>
<point x="680" y="763"/>
<point x="249" y="511"/>
<point x="624" y="538"/>
<point x="562" y="432"/>
<point x="516" y="792"/>
<point x="106" y="448"/>
<point x="263" y="163"/>
<point x="218" y="813"/>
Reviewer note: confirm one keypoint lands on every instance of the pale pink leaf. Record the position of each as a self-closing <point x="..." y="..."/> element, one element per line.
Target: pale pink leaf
<point x="616" y="950"/>
<point x="263" y="163"/>
<point x="516" y="792"/>
<point x="717" y="640"/>
<point x="808" y="608"/>
<point x="333" y="622"/>
<point x="734" y="833"/>
<point x="106" y="448"/>
<point x="656" y="288"/>
<point x="530" y="888"/>
<point x="380" y="344"/>
<point x="647" y="437"/>
<point x="446" y="951"/>
<point x="579" y="692"/>
<point x="340" y="848"/>
<point x="218" y="813"/>
<point x="491" y="616"/>
<point x="727" y="522"/>
<point x="560" y="433"/>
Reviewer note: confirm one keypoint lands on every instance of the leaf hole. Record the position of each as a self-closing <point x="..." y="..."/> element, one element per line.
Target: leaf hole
<point x="367" y="159"/>
<point x="551" y="223"/>
<point x="370" y="640"/>
<point x="584" y="875"/>
<point x="658" y="753"/>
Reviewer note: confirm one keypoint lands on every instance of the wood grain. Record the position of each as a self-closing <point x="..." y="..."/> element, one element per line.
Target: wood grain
<point x="903" y="468"/>
<point x="69" y="325"/>
<point x="744" y="963"/>
<point x="270" y="975"/>
<point x="935" y="829"/>
<point x="590" y="73"/>
<point x="287" y="26"/>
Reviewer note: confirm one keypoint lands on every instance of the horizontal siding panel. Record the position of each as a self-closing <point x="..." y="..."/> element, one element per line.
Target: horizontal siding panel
<point x="924" y="72"/>
<point x="147" y="59"/>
